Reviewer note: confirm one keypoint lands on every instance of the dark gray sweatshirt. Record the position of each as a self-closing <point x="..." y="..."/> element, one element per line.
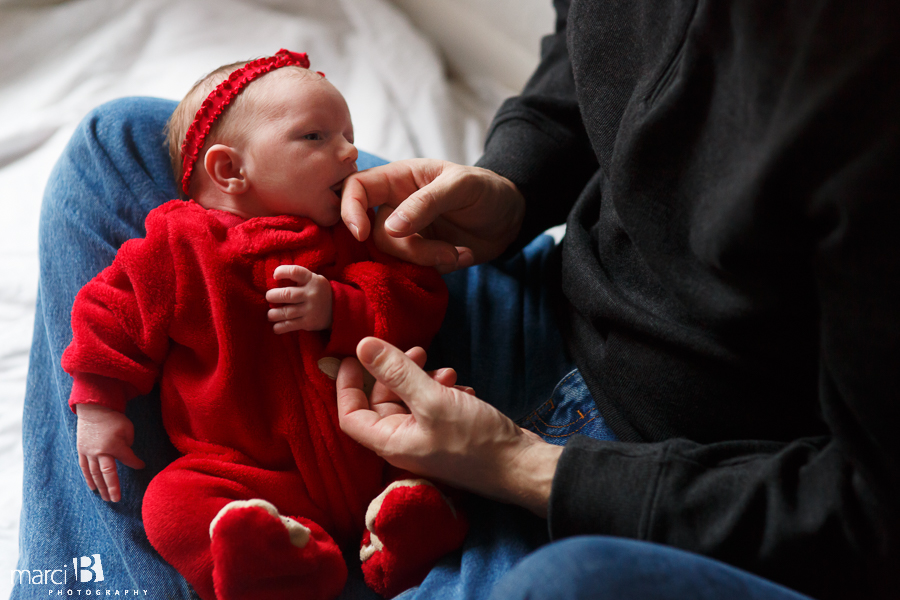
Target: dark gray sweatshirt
<point x="728" y="171"/>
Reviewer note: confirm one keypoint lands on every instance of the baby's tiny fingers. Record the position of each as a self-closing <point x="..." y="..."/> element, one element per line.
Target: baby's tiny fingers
<point x="288" y="326"/>
<point x="287" y="313"/>
<point x="277" y="295"/>
<point x="295" y="273"/>
<point x="110" y="477"/>
<point x="287" y="295"/>
<point x="86" y="471"/>
<point x="97" y="476"/>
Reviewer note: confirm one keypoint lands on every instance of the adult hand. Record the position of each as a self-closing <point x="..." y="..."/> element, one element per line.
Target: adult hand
<point x="434" y="212"/>
<point x="104" y="436"/>
<point x="444" y="433"/>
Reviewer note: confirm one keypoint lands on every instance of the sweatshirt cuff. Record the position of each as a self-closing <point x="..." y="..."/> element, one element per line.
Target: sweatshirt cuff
<point x="97" y="389"/>
<point x="351" y="319"/>
<point x="604" y="488"/>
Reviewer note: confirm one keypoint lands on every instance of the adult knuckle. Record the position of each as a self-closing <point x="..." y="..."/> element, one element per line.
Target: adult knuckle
<point x="422" y="201"/>
<point x="394" y="372"/>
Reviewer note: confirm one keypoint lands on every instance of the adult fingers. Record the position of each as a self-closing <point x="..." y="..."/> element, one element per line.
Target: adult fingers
<point x="398" y="373"/>
<point x="417" y="355"/>
<point x="296" y="273"/>
<point x="414" y="248"/>
<point x="354" y="204"/>
<point x="443" y="187"/>
<point x="388" y="184"/>
<point x="446" y="377"/>
<point x="356" y="417"/>
<point x="383" y="400"/>
<point x="424" y="188"/>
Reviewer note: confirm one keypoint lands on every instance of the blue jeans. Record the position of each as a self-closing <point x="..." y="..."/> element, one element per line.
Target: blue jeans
<point x="499" y="333"/>
<point x="598" y="567"/>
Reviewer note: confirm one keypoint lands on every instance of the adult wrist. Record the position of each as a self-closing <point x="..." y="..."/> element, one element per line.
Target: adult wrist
<point x="528" y="481"/>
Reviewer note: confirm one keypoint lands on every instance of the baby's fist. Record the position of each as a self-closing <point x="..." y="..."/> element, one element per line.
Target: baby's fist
<point x="306" y="306"/>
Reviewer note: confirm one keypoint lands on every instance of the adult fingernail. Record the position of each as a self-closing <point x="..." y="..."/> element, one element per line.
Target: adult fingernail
<point x="397" y="223"/>
<point x="355" y="231"/>
<point x="369" y="350"/>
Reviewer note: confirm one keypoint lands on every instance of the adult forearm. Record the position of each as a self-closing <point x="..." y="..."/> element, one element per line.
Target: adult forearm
<point x="527" y="478"/>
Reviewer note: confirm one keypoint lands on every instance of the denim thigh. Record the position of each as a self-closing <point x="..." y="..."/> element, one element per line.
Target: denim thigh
<point x="589" y="567"/>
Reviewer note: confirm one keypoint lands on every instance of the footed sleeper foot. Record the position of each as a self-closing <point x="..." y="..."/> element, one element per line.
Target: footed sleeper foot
<point x="409" y="526"/>
<point x="260" y="554"/>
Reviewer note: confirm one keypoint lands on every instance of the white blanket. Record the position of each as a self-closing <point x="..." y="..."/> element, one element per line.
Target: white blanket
<point x="59" y="60"/>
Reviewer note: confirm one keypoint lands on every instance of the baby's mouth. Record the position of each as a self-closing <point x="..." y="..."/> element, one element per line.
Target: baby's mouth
<point x="339" y="186"/>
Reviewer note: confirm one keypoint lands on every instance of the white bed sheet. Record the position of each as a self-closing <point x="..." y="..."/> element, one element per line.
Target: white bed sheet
<point x="59" y="60"/>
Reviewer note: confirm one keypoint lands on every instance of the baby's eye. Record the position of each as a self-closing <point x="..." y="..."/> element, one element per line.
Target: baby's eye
<point x="312" y="136"/>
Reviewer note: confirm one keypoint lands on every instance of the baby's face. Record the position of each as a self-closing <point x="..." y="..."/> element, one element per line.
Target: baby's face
<point x="300" y="150"/>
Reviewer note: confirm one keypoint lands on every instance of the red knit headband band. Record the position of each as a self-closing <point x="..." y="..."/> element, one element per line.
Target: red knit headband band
<point x="219" y="99"/>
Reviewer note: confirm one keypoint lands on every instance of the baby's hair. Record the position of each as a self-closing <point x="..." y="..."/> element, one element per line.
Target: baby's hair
<point x="224" y="128"/>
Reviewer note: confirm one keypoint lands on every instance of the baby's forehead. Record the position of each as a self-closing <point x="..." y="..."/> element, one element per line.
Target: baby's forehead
<point x="291" y="80"/>
<point x="292" y="84"/>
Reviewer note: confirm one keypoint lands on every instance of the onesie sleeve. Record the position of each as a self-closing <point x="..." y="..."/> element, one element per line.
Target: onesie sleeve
<point x="384" y="297"/>
<point x="120" y="323"/>
<point x="538" y="140"/>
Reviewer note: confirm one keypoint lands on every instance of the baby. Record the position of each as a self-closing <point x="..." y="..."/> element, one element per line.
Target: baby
<point x="267" y="487"/>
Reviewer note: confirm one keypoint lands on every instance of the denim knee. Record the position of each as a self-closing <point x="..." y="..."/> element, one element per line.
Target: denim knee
<point x="592" y="567"/>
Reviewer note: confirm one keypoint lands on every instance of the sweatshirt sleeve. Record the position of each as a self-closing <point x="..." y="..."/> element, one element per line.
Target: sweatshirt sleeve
<point x="120" y="323"/>
<point x="537" y="140"/>
<point x="384" y="297"/>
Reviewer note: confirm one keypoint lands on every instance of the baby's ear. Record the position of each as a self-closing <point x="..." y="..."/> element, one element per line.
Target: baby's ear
<point x="224" y="167"/>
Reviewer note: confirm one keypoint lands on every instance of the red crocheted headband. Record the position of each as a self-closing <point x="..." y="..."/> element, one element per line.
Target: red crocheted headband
<point x="219" y="99"/>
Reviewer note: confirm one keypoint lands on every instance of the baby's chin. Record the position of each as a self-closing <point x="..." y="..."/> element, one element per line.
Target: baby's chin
<point x="328" y="221"/>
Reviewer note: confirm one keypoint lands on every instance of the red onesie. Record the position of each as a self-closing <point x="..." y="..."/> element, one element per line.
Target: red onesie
<point x="250" y="411"/>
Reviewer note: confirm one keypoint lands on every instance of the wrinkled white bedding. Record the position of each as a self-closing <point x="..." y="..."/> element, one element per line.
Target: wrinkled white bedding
<point x="59" y="60"/>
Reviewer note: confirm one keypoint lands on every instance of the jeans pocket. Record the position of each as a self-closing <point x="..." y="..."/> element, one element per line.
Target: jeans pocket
<point x="570" y="410"/>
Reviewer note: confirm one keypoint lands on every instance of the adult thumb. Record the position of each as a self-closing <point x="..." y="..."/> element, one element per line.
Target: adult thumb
<point x="396" y="371"/>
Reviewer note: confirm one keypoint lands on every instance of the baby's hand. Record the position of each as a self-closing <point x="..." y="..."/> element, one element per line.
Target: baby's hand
<point x="104" y="435"/>
<point x="307" y="305"/>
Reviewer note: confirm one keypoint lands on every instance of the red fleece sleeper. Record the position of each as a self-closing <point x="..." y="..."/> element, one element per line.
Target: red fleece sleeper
<point x="268" y="485"/>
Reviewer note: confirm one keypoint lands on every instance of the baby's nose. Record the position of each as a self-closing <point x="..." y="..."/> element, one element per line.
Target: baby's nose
<point x="349" y="152"/>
